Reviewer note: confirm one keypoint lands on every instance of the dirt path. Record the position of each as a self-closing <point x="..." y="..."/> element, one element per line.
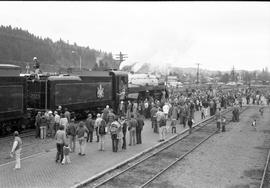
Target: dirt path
<point x="234" y="159"/>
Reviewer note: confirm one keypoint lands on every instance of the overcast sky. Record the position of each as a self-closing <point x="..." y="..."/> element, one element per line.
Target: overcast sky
<point x="218" y="35"/>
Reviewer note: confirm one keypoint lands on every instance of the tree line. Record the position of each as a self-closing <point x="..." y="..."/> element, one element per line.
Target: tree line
<point x="18" y="47"/>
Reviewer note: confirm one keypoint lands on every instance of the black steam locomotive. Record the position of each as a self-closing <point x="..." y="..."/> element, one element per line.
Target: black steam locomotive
<point x="22" y="96"/>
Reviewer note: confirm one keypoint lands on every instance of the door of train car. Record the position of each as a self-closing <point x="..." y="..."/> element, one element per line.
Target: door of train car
<point x="120" y="87"/>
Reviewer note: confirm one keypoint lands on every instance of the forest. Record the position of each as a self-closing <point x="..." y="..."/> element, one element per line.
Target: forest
<point x="19" y="47"/>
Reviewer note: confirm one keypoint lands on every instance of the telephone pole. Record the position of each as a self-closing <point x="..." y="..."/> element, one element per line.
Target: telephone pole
<point x="198" y="73"/>
<point x="121" y="57"/>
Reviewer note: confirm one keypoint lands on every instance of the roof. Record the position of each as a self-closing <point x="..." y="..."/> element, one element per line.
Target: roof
<point x="96" y="74"/>
<point x="118" y="73"/>
<point x="61" y="77"/>
<point x="9" y="66"/>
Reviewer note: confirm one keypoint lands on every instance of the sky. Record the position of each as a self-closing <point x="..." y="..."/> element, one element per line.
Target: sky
<point x="218" y="35"/>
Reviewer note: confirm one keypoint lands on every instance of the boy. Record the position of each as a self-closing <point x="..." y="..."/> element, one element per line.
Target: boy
<point x="66" y="151"/>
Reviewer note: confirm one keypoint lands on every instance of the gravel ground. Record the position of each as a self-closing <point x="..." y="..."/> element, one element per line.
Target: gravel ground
<point x="234" y="159"/>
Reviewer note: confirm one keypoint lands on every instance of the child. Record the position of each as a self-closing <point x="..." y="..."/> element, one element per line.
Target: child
<point x="66" y="151"/>
<point x="173" y="124"/>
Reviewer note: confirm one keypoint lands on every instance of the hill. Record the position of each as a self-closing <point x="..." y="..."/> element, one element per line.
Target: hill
<point x="18" y="47"/>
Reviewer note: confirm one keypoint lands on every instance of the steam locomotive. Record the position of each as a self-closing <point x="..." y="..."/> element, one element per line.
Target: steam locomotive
<point x="21" y="96"/>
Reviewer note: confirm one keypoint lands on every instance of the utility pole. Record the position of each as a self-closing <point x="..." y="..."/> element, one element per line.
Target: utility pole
<point x="121" y="57"/>
<point x="233" y="74"/>
<point x="198" y="73"/>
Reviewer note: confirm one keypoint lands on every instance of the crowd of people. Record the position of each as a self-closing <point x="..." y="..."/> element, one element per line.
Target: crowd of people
<point x="179" y="108"/>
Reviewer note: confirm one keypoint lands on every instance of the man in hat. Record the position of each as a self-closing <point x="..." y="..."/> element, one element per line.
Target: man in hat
<point x="16" y="149"/>
<point x="90" y="124"/>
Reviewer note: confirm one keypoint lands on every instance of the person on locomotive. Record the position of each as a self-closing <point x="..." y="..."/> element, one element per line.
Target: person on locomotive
<point x="121" y="109"/>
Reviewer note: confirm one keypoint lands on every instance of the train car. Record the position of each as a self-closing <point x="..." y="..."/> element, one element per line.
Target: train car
<point x="12" y="99"/>
<point x="80" y="94"/>
<point x="141" y="86"/>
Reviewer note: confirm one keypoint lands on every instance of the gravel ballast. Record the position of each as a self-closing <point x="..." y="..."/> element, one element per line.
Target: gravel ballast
<point x="233" y="159"/>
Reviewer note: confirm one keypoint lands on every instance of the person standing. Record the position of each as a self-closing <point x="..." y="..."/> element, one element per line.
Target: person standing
<point x="37" y="124"/>
<point x="153" y="113"/>
<point x="67" y="114"/>
<point x="261" y="110"/>
<point x="60" y="137"/>
<point x="51" y="122"/>
<point x="120" y="135"/>
<point x="162" y="128"/>
<point x="124" y="130"/>
<point x="56" y="121"/>
<point x="105" y="113"/>
<point x="90" y="124"/>
<point x="101" y="127"/>
<point x="173" y="115"/>
<point x="114" y="130"/>
<point x="218" y="119"/>
<point x="190" y="123"/>
<point x="97" y="123"/>
<point x="66" y="151"/>
<point x="43" y="126"/>
<point x="16" y="150"/>
<point x="63" y="121"/>
<point x="139" y="129"/>
<point x="132" y="130"/>
<point x="82" y="133"/>
<point x="71" y="132"/>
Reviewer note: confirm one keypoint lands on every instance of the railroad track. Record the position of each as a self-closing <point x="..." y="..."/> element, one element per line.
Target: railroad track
<point x="265" y="182"/>
<point x="24" y="134"/>
<point x="143" y="171"/>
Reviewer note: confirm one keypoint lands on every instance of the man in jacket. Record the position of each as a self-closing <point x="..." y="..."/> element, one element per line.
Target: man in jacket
<point x="71" y="132"/>
<point x="132" y="130"/>
<point x="139" y="128"/>
<point x="90" y="124"/>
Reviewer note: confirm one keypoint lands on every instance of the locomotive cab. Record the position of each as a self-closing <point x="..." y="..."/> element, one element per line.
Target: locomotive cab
<point x="119" y="87"/>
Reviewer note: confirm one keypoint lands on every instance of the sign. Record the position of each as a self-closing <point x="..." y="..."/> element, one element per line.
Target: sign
<point x="100" y="92"/>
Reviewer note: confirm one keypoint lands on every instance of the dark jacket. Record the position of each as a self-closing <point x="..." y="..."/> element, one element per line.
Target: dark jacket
<point x="71" y="129"/>
<point x="140" y="123"/>
<point x="90" y="123"/>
